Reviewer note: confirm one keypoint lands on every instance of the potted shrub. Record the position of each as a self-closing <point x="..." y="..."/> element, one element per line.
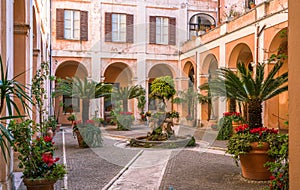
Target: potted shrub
<point x="252" y="5"/>
<point x="250" y="147"/>
<point x="41" y="170"/>
<point x="124" y="120"/>
<point x="99" y="121"/>
<point x="87" y="133"/>
<point x="51" y="125"/>
<point x="72" y="118"/>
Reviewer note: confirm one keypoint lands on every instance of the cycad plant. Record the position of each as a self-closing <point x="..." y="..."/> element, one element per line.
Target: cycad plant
<point x="83" y="89"/>
<point x="249" y="88"/>
<point x="124" y="94"/>
<point x="11" y="91"/>
<point x="190" y="97"/>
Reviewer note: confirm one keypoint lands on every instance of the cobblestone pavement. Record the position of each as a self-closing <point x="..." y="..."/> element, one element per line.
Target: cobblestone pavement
<point x="89" y="169"/>
<point x="192" y="170"/>
<point x="200" y="168"/>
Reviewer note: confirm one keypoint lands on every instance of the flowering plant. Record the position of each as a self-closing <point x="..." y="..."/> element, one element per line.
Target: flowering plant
<point x="233" y="116"/>
<point x="36" y="155"/>
<point x="230" y="11"/>
<point x="240" y="142"/>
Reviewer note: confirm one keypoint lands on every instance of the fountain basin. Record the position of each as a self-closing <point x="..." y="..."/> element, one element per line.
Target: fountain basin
<point x="173" y="142"/>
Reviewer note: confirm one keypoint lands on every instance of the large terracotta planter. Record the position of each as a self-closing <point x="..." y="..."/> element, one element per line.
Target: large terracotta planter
<point x="253" y="162"/>
<point x="81" y="142"/>
<point x="39" y="184"/>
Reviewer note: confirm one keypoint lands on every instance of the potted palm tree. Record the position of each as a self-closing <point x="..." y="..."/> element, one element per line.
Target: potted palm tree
<point x="123" y="94"/>
<point x="85" y="90"/>
<point x="252" y="89"/>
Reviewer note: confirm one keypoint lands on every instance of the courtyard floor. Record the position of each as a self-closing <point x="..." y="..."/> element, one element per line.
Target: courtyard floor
<point x="117" y="167"/>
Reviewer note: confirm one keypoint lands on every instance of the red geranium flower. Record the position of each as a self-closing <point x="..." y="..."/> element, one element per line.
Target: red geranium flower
<point x="48" y="159"/>
<point x="47" y="139"/>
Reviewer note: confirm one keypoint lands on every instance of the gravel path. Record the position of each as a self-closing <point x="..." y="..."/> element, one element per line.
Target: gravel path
<point x="205" y="171"/>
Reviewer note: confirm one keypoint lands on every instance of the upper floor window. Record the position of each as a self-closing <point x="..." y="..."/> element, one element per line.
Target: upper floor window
<point x="162" y="30"/>
<point x="118" y="27"/>
<point x="71" y="24"/>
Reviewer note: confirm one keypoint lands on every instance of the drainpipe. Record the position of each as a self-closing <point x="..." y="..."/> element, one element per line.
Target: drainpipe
<point x="219" y="13"/>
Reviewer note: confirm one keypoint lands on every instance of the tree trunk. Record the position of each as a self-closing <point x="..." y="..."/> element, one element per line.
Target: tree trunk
<point x="255" y="113"/>
<point x="85" y="110"/>
<point x="125" y="105"/>
<point x="232" y="105"/>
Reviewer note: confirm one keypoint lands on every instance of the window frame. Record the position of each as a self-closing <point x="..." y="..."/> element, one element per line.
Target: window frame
<point x="120" y="29"/>
<point x="162" y="31"/>
<point x="72" y="25"/>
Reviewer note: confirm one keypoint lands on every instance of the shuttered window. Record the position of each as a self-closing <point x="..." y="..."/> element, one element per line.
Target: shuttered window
<point x="162" y="30"/>
<point x="71" y="24"/>
<point x="119" y="27"/>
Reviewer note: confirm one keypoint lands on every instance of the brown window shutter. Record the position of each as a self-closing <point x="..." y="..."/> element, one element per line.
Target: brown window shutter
<point x="172" y="31"/>
<point x="152" y="31"/>
<point x="84" y="27"/>
<point x="129" y="29"/>
<point x="108" y="27"/>
<point x="60" y="27"/>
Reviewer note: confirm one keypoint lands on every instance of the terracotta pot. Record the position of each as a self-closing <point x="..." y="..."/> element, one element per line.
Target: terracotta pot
<point x="253" y="162"/>
<point x="39" y="184"/>
<point x="81" y="142"/>
<point x="252" y="6"/>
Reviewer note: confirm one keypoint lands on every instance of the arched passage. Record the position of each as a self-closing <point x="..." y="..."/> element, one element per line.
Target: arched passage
<point x="120" y="75"/>
<point x="241" y="53"/>
<point x="277" y="107"/>
<point x="156" y="71"/>
<point x="65" y="104"/>
<point x="209" y="66"/>
<point x="189" y="72"/>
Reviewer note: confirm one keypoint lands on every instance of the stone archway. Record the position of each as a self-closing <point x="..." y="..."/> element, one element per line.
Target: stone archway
<point x="158" y="70"/>
<point x="277" y="107"/>
<point x="209" y="66"/>
<point x="241" y="53"/>
<point x="189" y="72"/>
<point x="70" y="105"/>
<point x="120" y="75"/>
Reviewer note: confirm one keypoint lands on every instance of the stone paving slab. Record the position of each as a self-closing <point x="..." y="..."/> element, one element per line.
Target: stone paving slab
<point x="145" y="173"/>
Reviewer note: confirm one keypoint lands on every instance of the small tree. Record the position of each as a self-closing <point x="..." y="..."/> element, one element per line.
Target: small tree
<point x="163" y="88"/>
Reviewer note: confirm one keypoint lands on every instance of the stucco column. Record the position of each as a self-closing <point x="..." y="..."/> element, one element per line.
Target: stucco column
<point x="294" y="91"/>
